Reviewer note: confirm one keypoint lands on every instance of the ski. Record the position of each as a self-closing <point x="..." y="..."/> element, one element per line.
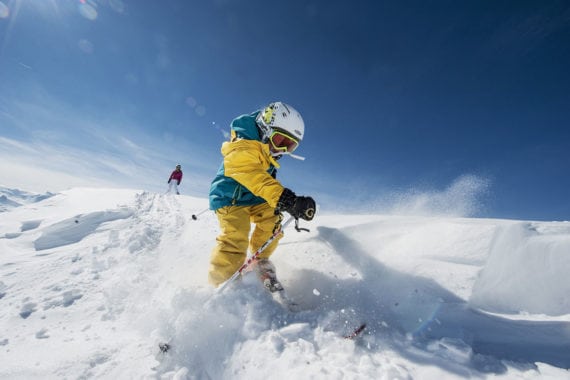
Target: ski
<point x="164" y="347"/>
<point x="264" y="270"/>
<point x="287" y="303"/>
<point x="356" y="332"/>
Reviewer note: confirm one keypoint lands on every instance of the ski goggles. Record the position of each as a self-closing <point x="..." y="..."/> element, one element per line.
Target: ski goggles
<point x="282" y="143"/>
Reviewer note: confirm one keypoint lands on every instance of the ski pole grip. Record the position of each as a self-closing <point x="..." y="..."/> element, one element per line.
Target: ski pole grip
<point x="299" y="229"/>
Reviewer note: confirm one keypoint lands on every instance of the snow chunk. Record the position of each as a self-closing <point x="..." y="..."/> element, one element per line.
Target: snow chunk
<point x="74" y="229"/>
<point x="527" y="271"/>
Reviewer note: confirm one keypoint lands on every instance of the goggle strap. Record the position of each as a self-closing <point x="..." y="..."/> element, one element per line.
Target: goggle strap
<point x="289" y="154"/>
<point x="301" y="158"/>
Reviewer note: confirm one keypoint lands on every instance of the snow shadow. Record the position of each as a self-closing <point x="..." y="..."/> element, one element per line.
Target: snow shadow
<point x="434" y="320"/>
<point x="30" y="225"/>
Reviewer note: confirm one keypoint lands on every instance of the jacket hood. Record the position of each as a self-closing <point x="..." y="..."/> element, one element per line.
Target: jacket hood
<point x="245" y="127"/>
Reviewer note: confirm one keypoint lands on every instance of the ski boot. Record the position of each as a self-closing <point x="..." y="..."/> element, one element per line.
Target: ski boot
<point x="266" y="273"/>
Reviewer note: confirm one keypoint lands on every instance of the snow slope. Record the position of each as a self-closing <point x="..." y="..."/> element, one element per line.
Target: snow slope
<point x="91" y="280"/>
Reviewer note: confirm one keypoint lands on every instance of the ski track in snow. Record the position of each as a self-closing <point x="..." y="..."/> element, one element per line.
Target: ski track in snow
<point x="89" y="292"/>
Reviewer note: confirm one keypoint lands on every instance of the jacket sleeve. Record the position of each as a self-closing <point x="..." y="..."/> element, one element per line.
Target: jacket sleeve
<point x="247" y="161"/>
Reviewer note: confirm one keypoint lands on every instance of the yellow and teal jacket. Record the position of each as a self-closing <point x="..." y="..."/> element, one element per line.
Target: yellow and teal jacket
<point x="247" y="174"/>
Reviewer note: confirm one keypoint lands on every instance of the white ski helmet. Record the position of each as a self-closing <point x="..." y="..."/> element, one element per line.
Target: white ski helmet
<point x="282" y="117"/>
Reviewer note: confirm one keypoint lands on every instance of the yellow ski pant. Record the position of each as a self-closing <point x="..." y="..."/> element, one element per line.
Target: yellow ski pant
<point x="232" y="243"/>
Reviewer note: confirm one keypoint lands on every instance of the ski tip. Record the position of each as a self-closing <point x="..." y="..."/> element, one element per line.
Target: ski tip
<point x="164" y="347"/>
<point x="356" y="332"/>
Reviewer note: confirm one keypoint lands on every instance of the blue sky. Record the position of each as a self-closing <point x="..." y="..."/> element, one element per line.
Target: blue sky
<point x="407" y="104"/>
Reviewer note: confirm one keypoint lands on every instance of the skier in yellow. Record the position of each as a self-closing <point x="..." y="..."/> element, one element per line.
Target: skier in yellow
<point x="245" y="191"/>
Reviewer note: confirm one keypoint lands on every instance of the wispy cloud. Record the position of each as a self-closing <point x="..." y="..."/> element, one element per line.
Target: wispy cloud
<point x="64" y="146"/>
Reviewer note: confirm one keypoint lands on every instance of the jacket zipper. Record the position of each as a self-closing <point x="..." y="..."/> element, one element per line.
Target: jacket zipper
<point x="237" y="194"/>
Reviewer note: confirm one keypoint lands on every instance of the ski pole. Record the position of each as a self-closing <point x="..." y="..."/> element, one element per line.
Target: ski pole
<point x="256" y="254"/>
<point x="195" y="216"/>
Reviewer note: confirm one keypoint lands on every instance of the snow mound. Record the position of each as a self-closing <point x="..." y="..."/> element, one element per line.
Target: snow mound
<point x="73" y="230"/>
<point x="527" y="271"/>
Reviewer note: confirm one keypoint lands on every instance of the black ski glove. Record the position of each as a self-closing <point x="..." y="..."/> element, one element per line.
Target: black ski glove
<point x="298" y="207"/>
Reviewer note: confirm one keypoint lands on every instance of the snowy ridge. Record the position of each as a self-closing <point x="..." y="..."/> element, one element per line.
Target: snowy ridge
<point x="11" y="198"/>
<point x="91" y="280"/>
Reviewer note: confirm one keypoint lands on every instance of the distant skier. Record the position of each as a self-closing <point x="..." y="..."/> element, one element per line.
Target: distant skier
<point x="175" y="179"/>
<point x="245" y="190"/>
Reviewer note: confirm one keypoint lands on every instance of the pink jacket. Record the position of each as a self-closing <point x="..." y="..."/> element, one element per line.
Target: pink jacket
<point x="177" y="175"/>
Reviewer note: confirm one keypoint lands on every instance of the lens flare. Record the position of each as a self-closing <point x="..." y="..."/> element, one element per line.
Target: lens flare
<point x="4" y="10"/>
<point x="191" y="102"/>
<point x="200" y="110"/>
<point x="86" y="46"/>
<point x="87" y="11"/>
<point x="117" y="5"/>
<point x="224" y="133"/>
